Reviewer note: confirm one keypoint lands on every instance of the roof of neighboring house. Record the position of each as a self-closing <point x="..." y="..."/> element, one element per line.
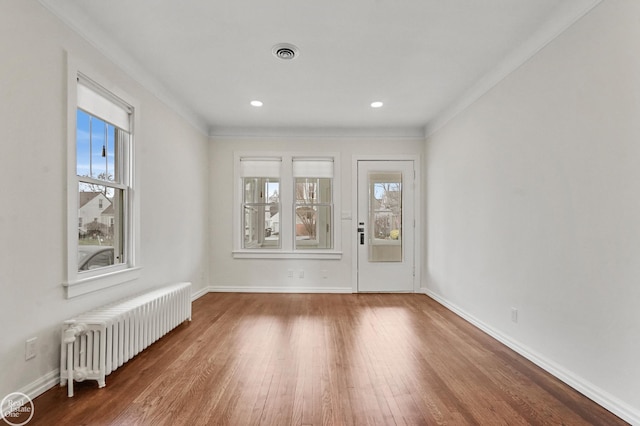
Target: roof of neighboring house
<point x="85" y="197"/>
<point x="109" y="210"/>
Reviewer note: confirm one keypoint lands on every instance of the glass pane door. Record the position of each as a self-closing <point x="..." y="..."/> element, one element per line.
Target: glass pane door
<point x="385" y="216"/>
<point x="385" y="233"/>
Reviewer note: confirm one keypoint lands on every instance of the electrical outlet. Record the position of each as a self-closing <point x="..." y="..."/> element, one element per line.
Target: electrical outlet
<point x="301" y="273"/>
<point x="514" y="315"/>
<point x="30" y="349"/>
<point x="290" y="273"/>
<point x="324" y="273"/>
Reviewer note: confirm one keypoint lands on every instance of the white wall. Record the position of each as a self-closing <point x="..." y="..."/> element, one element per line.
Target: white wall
<point x="173" y="192"/>
<point x="228" y="273"/>
<point x="533" y="203"/>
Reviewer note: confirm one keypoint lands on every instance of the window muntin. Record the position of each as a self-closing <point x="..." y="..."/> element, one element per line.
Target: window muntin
<point x="103" y="181"/>
<point x="261" y="213"/>
<point x="260" y="202"/>
<point x="116" y="108"/>
<point x="313" y="208"/>
<point x="304" y="224"/>
<point x="313" y="202"/>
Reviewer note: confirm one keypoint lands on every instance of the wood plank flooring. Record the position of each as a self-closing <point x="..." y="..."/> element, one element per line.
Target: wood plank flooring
<point x="323" y="359"/>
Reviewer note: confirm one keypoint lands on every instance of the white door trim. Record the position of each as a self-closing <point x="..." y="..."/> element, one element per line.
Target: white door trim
<point x="352" y="228"/>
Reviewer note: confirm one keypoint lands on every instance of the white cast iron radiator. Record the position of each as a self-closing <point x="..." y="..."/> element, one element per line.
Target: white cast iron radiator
<point x="99" y="341"/>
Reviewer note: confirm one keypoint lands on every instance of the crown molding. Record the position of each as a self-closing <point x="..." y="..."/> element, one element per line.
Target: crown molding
<point x="565" y="18"/>
<point x="319" y="132"/>
<point x="567" y="15"/>
<point x="82" y="25"/>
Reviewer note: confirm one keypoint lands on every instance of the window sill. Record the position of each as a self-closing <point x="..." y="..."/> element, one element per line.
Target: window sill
<point x="84" y="285"/>
<point x="307" y="254"/>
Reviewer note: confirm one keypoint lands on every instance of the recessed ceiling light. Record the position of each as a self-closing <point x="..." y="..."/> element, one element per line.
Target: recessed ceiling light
<point x="376" y="104"/>
<point x="256" y="103"/>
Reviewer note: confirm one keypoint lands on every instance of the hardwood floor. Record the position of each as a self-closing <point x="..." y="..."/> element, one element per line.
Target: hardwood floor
<point x="323" y="359"/>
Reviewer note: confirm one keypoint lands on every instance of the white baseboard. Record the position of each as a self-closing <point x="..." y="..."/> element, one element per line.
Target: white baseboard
<point x="243" y="289"/>
<point x="601" y="397"/>
<point x="198" y="294"/>
<point x="37" y="387"/>
<point x="596" y="394"/>
<point x="43" y="384"/>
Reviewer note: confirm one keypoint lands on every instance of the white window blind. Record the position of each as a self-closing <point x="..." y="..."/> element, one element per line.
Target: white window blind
<point x="313" y="167"/>
<point x="260" y="167"/>
<point x="96" y="101"/>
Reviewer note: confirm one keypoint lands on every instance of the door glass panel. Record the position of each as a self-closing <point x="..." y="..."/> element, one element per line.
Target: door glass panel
<point x="385" y="217"/>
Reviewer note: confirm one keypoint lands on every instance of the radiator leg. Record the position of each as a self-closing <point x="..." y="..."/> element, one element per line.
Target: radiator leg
<point x="125" y="328"/>
<point x="70" y="369"/>
<point x="63" y="360"/>
<point x="68" y="338"/>
<point x="103" y="355"/>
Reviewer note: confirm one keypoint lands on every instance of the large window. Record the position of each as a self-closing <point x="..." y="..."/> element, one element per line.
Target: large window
<point x="101" y="188"/>
<point x="101" y="242"/>
<point x="313" y="203"/>
<point x="287" y="206"/>
<point x="260" y="202"/>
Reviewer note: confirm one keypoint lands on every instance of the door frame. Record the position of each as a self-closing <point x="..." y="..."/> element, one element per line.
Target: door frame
<point x="417" y="214"/>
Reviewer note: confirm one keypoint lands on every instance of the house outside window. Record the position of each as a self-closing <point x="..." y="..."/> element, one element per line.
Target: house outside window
<point x="285" y="206"/>
<point x="101" y="171"/>
<point x="261" y="203"/>
<point x="102" y="137"/>
<point x="313" y="203"/>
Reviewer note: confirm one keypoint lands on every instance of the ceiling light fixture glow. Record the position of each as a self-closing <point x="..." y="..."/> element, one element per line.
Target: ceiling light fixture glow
<point x="376" y="104"/>
<point x="256" y="103"/>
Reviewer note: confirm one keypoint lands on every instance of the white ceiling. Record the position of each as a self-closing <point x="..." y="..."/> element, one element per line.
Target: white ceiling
<point x="425" y="59"/>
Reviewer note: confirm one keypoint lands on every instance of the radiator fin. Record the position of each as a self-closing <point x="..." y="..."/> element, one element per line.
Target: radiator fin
<point x="97" y="342"/>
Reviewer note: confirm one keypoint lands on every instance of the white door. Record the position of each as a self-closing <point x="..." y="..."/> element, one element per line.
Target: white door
<point x="385" y="226"/>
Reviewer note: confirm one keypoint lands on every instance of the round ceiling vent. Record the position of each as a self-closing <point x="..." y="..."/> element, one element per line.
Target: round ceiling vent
<point x="285" y="51"/>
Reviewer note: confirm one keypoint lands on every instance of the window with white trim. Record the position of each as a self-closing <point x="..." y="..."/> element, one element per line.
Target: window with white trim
<point x="285" y="206"/>
<point x="101" y="173"/>
<point x="103" y="132"/>
<point x="313" y="178"/>
<point x="260" y="203"/>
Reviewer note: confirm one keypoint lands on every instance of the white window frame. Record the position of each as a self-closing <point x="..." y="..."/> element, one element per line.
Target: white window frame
<point x="268" y="171"/>
<point x="314" y="169"/>
<point x="311" y="243"/>
<point x="79" y="283"/>
<point x="287" y="211"/>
